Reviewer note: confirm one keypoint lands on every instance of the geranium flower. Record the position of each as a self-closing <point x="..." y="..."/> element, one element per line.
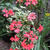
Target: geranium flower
<point x="27" y="46"/>
<point x="16" y="38"/>
<point x="30" y="46"/>
<point x="40" y="28"/>
<point x="10" y="12"/>
<point x="6" y="15"/>
<point x="23" y="44"/>
<point x="17" y="30"/>
<point x="34" y="2"/>
<point x="12" y="39"/>
<point x="11" y="26"/>
<point x="27" y="34"/>
<point x="31" y="16"/>
<point x="14" y="22"/>
<point x="31" y="32"/>
<point x="18" y="24"/>
<point x="4" y="10"/>
<point x="35" y="36"/>
<point x="32" y="39"/>
<point x="27" y="3"/>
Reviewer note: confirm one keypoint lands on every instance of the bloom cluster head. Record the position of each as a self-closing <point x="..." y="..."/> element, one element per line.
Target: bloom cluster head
<point x="27" y="46"/>
<point x="32" y="16"/>
<point x="15" y="26"/>
<point x="6" y="12"/>
<point x="31" y="37"/>
<point x="29" y="2"/>
<point x="14" y="39"/>
<point x="40" y="28"/>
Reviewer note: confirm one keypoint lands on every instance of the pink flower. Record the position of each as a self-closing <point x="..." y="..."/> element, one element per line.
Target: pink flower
<point x="32" y="39"/>
<point x="11" y="27"/>
<point x="11" y="12"/>
<point x="30" y="46"/>
<point x="14" y="22"/>
<point x="27" y="46"/>
<point x="12" y="38"/>
<point x="36" y="37"/>
<point x="34" y="2"/>
<point x="6" y="15"/>
<point x="15" y="26"/>
<point x="23" y="44"/>
<point x="31" y="32"/>
<point x="26" y="35"/>
<point x="4" y="10"/>
<point x="32" y="16"/>
<point x="27" y="3"/>
<point x="18" y="24"/>
<point x="40" y="28"/>
<point x="16" y="38"/>
<point x="17" y="30"/>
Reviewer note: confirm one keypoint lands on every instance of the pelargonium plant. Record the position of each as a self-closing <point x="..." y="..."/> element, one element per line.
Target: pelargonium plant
<point x="26" y="34"/>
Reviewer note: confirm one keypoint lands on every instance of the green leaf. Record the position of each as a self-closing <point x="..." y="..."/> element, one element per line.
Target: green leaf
<point x="37" y="46"/>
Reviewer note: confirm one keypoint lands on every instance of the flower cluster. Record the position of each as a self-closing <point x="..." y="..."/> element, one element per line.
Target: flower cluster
<point x="40" y="28"/>
<point x="28" y="38"/>
<point x="25" y="37"/>
<point x="27" y="46"/>
<point x="31" y="37"/>
<point x="32" y="16"/>
<point x="14" y="39"/>
<point x="29" y="2"/>
<point x="15" y="26"/>
<point x="6" y="12"/>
